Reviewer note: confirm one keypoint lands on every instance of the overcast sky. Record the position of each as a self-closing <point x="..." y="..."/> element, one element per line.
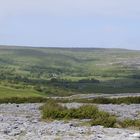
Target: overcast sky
<point x="70" y="23"/>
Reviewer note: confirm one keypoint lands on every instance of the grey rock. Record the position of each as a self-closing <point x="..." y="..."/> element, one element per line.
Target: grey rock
<point x="23" y="122"/>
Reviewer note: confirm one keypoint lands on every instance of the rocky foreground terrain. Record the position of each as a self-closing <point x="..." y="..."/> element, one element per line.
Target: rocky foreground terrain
<point x="23" y="122"/>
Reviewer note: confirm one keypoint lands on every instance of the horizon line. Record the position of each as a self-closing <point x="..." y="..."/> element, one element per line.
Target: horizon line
<point x="63" y="47"/>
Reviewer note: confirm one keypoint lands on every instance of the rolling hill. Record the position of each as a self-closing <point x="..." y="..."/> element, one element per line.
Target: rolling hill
<point x="67" y="71"/>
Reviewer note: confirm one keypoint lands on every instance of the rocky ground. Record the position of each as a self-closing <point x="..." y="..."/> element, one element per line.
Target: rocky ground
<point x="23" y="122"/>
<point x="94" y="95"/>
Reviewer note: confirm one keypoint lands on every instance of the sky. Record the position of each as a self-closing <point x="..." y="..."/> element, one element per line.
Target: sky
<point x="70" y="23"/>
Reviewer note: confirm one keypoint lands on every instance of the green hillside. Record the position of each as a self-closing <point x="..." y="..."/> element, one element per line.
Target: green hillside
<point x="66" y="71"/>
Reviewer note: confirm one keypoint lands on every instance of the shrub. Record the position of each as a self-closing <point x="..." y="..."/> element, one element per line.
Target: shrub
<point x="130" y="123"/>
<point x="52" y="110"/>
<point x="83" y="112"/>
<point x="55" y="111"/>
<point x="104" y="119"/>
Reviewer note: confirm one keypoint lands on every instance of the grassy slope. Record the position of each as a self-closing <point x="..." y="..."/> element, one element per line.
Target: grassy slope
<point x="6" y="92"/>
<point x="114" y="68"/>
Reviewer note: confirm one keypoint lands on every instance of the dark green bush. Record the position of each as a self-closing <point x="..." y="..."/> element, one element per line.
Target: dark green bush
<point x="104" y="119"/>
<point x="130" y="123"/>
<point x="52" y="110"/>
<point x="85" y="112"/>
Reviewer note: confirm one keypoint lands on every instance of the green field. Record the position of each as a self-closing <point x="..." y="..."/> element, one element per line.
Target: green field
<point x="6" y="92"/>
<point x="29" y="71"/>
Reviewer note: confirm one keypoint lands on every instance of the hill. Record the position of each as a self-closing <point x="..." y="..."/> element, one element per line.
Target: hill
<point x="66" y="71"/>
